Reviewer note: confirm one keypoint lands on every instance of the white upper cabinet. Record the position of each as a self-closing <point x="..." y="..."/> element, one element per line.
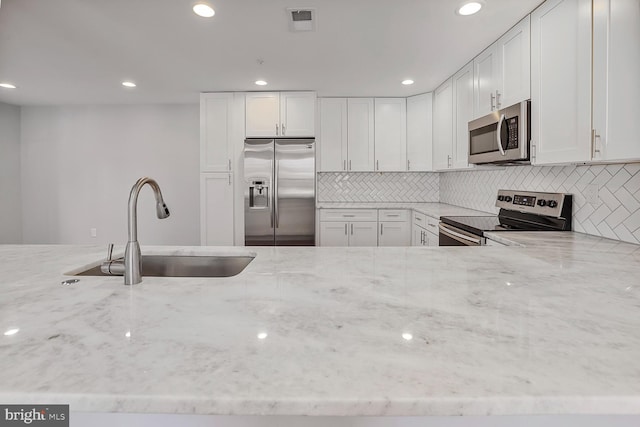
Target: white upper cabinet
<point x="216" y="142"/>
<point x="333" y="135"/>
<point x="360" y="134"/>
<point x="616" y="90"/>
<point x="390" y="134"/>
<point x="262" y="114"/>
<point x="443" y="126"/>
<point x="502" y="72"/>
<point x="298" y="114"/>
<point x="514" y="61"/>
<point x="420" y="132"/>
<point x="462" y="86"/>
<point x="276" y="114"/>
<point x="561" y="82"/>
<point x="485" y="77"/>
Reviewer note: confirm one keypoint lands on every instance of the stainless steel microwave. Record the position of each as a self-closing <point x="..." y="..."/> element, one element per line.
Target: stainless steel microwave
<point x="501" y="137"/>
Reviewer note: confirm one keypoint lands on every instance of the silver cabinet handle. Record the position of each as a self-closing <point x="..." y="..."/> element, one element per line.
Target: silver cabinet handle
<point x="377" y="165"/>
<point x="408" y="165"/>
<point x="349" y="164"/>
<point x="499" y="134"/>
<point x="276" y="129"/>
<point x="392" y="215"/>
<point x="497" y="100"/>
<point x="422" y="236"/>
<point x="283" y="129"/>
<point x="418" y="218"/>
<point x="344" y="165"/>
<point x="229" y="164"/>
<point x="493" y="98"/>
<point x="594" y="150"/>
<point x="352" y="229"/>
<point x="381" y="229"/>
<point x="345" y="228"/>
<point x="229" y="179"/>
<point x="448" y="161"/>
<point x="348" y="216"/>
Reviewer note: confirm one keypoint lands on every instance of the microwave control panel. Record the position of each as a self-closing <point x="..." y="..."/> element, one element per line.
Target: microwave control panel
<point x="512" y="132"/>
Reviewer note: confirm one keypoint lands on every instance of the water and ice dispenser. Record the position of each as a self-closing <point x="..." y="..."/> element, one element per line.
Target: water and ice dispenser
<point x="258" y="194"/>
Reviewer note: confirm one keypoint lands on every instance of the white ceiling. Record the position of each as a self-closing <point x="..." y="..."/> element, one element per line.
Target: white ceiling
<point x="78" y="51"/>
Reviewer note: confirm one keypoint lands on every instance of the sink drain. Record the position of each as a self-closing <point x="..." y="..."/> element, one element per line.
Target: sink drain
<point x="69" y="282"/>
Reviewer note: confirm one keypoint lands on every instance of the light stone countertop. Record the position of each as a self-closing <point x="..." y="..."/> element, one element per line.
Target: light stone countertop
<point x="550" y="328"/>
<point x="434" y="210"/>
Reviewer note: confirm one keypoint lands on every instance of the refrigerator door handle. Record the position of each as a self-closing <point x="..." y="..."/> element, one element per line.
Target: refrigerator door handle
<point x="275" y="192"/>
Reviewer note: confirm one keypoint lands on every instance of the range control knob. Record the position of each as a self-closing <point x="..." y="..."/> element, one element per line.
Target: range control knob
<point x="552" y="203"/>
<point x="501" y="198"/>
<point x="508" y="198"/>
<point x="542" y="203"/>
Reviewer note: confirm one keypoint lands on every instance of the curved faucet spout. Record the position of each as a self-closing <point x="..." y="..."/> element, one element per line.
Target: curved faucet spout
<point x="132" y="256"/>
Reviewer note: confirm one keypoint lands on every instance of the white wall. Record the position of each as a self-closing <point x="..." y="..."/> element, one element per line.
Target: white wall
<point x="10" y="205"/>
<point x="80" y="162"/>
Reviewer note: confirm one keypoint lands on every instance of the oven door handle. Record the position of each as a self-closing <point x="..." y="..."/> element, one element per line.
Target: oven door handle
<point x="499" y="134"/>
<point x="459" y="237"/>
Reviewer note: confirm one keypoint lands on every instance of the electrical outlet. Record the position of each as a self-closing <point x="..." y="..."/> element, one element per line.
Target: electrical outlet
<point x="94" y="232"/>
<point x="591" y="194"/>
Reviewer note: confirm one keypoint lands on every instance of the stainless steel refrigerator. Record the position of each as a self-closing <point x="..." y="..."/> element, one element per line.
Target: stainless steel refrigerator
<point x="279" y="194"/>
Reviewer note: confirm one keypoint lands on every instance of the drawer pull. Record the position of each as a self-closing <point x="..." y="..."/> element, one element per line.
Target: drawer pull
<point x="348" y="216"/>
<point x="392" y="215"/>
<point x="418" y="218"/>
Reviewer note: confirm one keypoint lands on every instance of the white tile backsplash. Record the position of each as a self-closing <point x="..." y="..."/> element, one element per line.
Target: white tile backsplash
<point x="615" y="213"/>
<point x="378" y="187"/>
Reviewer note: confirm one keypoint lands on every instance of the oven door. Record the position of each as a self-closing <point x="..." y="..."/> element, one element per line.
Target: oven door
<point x="502" y="136"/>
<point x="452" y="236"/>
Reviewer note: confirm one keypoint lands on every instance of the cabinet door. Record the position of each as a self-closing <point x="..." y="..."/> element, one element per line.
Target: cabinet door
<point x="363" y="233"/>
<point x="485" y="83"/>
<point x="463" y="110"/>
<point x="216" y="209"/>
<point x="419" y="132"/>
<point x="262" y="114"/>
<point x="216" y="146"/>
<point x="514" y="59"/>
<point x="416" y="236"/>
<point x="394" y="234"/>
<point x="431" y="239"/>
<point x="360" y="128"/>
<point x="334" y="234"/>
<point x="443" y="126"/>
<point x="333" y="135"/>
<point x="561" y="81"/>
<point x="298" y="114"/>
<point x="390" y="134"/>
<point x="616" y="91"/>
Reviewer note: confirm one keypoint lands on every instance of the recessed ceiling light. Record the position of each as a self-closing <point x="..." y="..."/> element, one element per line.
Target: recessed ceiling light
<point x="7" y="85"/>
<point x="469" y="8"/>
<point x="128" y="84"/>
<point x="407" y="82"/>
<point x="261" y="82"/>
<point x="12" y="331"/>
<point x="407" y="336"/>
<point x="204" y="10"/>
<point x="262" y="335"/>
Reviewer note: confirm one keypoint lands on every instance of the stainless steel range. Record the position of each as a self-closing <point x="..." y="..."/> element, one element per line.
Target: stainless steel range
<point x="519" y="211"/>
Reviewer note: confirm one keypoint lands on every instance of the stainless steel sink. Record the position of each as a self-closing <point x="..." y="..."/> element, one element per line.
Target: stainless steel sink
<point x="185" y="266"/>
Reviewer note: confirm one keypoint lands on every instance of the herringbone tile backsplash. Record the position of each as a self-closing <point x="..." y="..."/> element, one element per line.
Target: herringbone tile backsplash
<point x="378" y="187"/>
<point x="606" y="198"/>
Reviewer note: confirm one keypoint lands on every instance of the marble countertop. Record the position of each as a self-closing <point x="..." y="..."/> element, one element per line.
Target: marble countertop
<point x="549" y="328"/>
<point x="434" y="210"/>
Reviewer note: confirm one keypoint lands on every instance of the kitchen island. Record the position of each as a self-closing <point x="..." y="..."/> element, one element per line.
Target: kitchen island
<point x="550" y="327"/>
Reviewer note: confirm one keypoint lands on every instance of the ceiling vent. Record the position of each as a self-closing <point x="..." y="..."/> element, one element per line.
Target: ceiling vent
<point x="302" y="19"/>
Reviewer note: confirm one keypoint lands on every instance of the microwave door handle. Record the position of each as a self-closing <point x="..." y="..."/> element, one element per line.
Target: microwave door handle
<point x="502" y="119"/>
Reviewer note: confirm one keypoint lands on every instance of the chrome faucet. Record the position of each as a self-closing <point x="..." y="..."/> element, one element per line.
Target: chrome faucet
<point x="132" y="256"/>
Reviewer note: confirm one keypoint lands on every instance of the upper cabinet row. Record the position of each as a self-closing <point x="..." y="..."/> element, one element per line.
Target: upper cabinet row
<point x="280" y="114"/>
<point x="584" y="87"/>
<point x="381" y="134"/>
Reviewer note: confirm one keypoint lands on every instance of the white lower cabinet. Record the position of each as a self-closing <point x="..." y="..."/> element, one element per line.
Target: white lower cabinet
<point x="334" y="234"/>
<point x="363" y="233"/>
<point x="393" y="227"/>
<point x="425" y="230"/>
<point x="216" y="210"/>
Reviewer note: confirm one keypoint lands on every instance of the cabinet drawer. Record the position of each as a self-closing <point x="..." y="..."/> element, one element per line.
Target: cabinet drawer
<point x="419" y="219"/>
<point x="348" y="215"/>
<point x="393" y="215"/>
<point x="432" y="225"/>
